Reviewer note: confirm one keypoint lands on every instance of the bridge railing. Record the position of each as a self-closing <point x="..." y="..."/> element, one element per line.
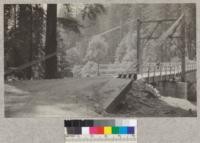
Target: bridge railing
<point x="163" y="69"/>
<point x="147" y="70"/>
<point x="151" y="67"/>
<point x="105" y="69"/>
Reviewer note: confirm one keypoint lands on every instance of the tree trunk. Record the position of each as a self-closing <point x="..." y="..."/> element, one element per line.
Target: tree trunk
<point x="29" y="69"/>
<point x="15" y="16"/>
<point x="51" y="43"/>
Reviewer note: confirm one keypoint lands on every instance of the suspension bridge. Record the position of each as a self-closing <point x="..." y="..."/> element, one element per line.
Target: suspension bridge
<point x="153" y="71"/>
<point x="156" y="72"/>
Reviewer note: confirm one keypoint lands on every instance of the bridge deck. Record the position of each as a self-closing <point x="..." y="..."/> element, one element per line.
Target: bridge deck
<point x="159" y="72"/>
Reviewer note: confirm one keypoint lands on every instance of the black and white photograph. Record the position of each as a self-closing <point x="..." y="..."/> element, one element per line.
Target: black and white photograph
<point x="100" y="60"/>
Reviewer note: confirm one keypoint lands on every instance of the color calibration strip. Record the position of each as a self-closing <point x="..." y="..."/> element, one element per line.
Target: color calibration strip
<point x="101" y="129"/>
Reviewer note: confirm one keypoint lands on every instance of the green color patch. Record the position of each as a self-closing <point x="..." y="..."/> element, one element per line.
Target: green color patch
<point x="115" y="130"/>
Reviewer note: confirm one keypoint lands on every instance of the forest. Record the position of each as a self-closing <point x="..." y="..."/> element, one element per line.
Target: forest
<point x="47" y="41"/>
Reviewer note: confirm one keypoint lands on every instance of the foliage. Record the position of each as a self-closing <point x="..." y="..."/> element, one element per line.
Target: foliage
<point x="63" y="64"/>
<point x="76" y="70"/>
<point x="130" y="56"/>
<point x="97" y="49"/>
<point x="92" y="11"/>
<point x="126" y="51"/>
<point x="23" y="36"/>
<point x="73" y="56"/>
<point x="70" y="23"/>
<point x="38" y="46"/>
<point x="89" y="69"/>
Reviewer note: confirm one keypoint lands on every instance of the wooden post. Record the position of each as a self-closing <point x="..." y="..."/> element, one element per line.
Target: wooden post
<point x="165" y="73"/>
<point x="154" y="72"/>
<point x="174" y="71"/>
<point x="170" y="72"/>
<point x="148" y="73"/>
<point x="139" y="58"/>
<point x="160" y="73"/>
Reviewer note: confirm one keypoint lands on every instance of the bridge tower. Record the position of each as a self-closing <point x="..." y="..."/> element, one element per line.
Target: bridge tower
<point x="181" y="38"/>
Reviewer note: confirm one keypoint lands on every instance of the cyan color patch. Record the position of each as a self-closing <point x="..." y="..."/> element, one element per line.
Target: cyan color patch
<point x="123" y="130"/>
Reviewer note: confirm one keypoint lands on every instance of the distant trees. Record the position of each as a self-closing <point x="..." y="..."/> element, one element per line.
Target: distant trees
<point x="9" y="34"/>
<point x="73" y="56"/>
<point x="23" y="36"/>
<point x="31" y="34"/>
<point x="89" y="69"/>
<point x="190" y="28"/>
<point x="121" y="50"/>
<point x="97" y="50"/>
<point x="171" y="48"/>
<point x="126" y="50"/>
<point x="90" y="10"/>
<point x="130" y="56"/>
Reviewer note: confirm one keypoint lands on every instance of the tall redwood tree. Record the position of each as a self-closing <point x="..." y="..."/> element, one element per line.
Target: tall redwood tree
<point x="51" y="43"/>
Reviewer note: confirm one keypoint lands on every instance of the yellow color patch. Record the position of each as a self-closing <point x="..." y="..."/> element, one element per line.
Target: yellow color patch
<point x="107" y="130"/>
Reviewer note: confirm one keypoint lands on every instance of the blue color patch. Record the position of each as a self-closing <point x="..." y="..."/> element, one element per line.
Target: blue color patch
<point x="123" y="130"/>
<point x="131" y="130"/>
